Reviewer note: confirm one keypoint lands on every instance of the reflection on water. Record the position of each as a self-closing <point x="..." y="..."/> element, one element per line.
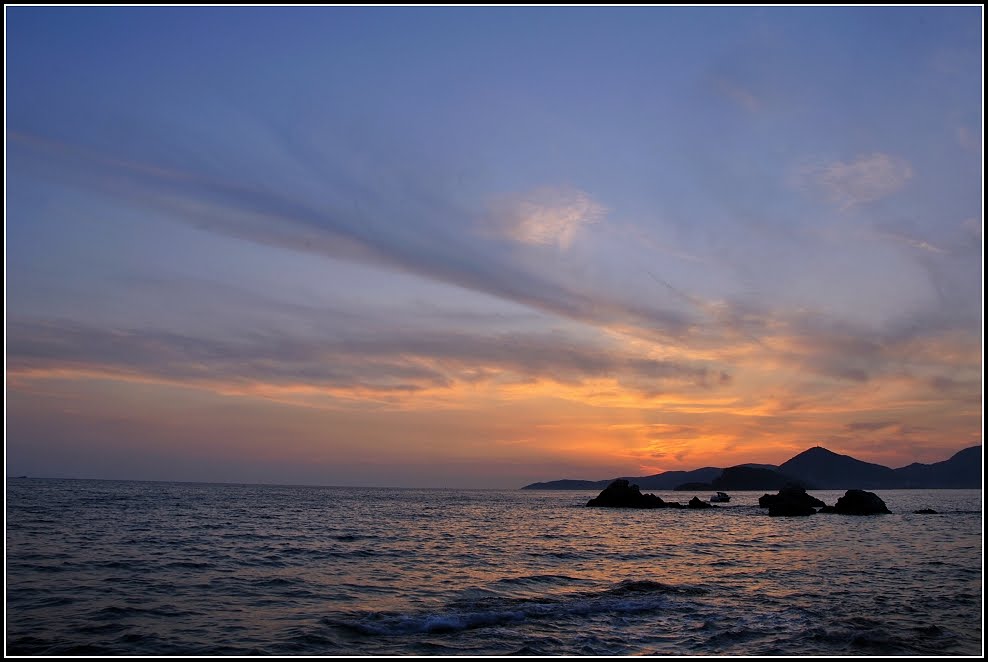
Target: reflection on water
<point x="154" y="568"/>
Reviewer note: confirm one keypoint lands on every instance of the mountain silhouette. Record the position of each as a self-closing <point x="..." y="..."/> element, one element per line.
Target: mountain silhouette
<point x="754" y="478"/>
<point x="826" y="470"/>
<point x="816" y="468"/>
<point x="667" y="480"/>
<point x="961" y="470"/>
<point x="745" y="477"/>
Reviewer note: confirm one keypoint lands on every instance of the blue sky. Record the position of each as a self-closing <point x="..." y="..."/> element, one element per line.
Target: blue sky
<point x="478" y="246"/>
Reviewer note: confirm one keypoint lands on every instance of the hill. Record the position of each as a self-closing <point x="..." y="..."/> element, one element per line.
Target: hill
<point x="816" y="468"/>
<point x="962" y="470"/>
<point x="666" y="480"/>
<point x="744" y="477"/>
<point x="826" y="470"/>
<point x="754" y="478"/>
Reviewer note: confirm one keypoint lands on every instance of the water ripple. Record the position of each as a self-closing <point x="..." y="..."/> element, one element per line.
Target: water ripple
<point x="128" y="568"/>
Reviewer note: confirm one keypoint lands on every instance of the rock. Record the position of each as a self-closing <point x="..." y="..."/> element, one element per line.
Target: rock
<point x="827" y="510"/>
<point x="791" y="495"/>
<point x="621" y="494"/>
<point x="859" y="502"/>
<point x="696" y="503"/>
<point x="925" y="511"/>
<point x="790" y="509"/>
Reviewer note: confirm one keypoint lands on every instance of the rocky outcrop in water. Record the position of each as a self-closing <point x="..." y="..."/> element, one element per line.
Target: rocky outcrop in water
<point x="925" y="511"/>
<point x="790" y="498"/>
<point x="622" y="494"/>
<point x="696" y="503"/>
<point x="859" y="502"/>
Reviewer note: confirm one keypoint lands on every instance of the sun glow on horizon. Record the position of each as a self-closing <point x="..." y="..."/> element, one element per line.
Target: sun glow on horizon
<point x="696" y="242"/>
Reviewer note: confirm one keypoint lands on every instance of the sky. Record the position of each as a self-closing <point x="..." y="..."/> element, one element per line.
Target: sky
<point x="481" y="247"/>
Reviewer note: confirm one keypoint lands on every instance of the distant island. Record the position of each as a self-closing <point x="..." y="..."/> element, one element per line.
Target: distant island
<point x="816" y="468"/>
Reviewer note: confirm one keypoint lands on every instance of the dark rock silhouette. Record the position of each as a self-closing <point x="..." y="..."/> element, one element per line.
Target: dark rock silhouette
<point x="791" y="495"/>
<point x="925" y="511"/>
<point x="859" y="502"/>
<point x="696" y="503"/>
<point x="827" y="510"/>
<point x="622" y="494"/>
<point x="790" y="509"/>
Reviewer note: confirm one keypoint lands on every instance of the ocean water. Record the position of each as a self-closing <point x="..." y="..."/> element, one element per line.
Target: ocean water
<point x="141" y="568"/>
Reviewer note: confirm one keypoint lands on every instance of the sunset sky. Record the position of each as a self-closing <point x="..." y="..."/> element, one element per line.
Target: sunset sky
<point x="480" y="247"/>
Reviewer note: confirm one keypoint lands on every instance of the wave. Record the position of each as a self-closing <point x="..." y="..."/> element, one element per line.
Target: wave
<point x="854" y="639"/>
<point x="113" y="612"/>
<point x="628" y="597"/>
<point x="539" y="579"/>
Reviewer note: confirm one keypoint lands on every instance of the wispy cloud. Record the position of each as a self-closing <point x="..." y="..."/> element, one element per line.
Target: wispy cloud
<point x="371" y="361"/>
<point x="424" y="237"/>
<point x="738" y="94"/>
<point x="704" y="343"/>
<point x="974" y="226"/>
<point x="867" y="178"/>
<point x="869" y="426"/>
<point x="967" y="138"/>
<point x="920" y="244"/>
<point x="545" y="216"/>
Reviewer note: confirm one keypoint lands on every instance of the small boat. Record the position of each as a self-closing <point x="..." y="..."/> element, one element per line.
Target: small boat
<point x="720" y="497"/>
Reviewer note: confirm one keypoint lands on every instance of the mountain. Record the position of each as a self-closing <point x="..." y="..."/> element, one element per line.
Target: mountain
<point x="753" y="478"/>
<point x="745" y="477"/>
<point x="961" y="470"/>
<point x="826" y="470"/>
<point x="569" y="484"/>
<point x="817" y="468"/>
<point x="666" y="480"/>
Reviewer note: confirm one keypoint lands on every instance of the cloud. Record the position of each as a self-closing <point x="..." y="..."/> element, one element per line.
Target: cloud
<point x="369" y="361"/>
<point x="920" y="244"/>
<point x="968" y="139"/>
<point x="421" y="235"/>
<point x="738" y="94"/>
<point x="866" y="179"/>
<point x="974" y="226"/>
<point x="869" y="426"/>
<point x="915" y="360"/>
<point x="543" y="217"/>
<point x="425" y="236"/>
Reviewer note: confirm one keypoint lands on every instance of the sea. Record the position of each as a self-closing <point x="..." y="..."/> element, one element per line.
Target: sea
<point x="154" y="568"/>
